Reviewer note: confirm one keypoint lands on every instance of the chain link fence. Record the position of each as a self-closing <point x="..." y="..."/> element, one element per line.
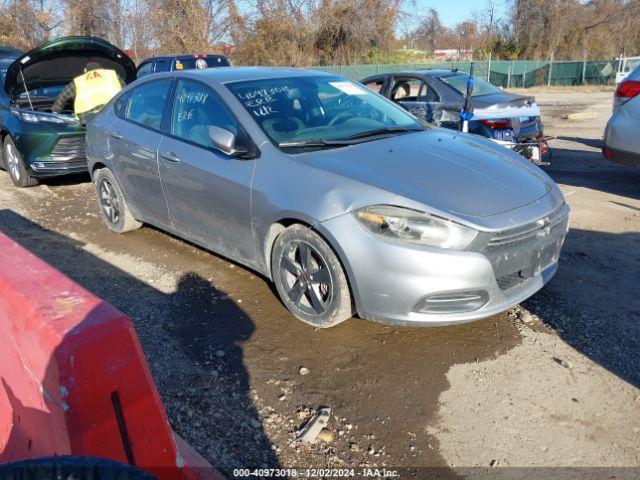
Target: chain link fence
<point x="504" y="73"/>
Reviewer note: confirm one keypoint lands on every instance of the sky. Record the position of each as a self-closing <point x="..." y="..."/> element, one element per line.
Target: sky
<point x="451" y="11"/>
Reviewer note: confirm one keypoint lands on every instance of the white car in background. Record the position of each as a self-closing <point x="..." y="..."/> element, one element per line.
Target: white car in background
<point x="621" y="142"/>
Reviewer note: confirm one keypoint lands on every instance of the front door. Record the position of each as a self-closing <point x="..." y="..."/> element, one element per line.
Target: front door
<point x="135" y="136"/>
<point x="208" y="192"/>
<point x="417" y="97"/>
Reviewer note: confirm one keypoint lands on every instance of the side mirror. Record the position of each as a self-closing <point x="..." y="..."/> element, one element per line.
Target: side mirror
<point x="225" y="141"/>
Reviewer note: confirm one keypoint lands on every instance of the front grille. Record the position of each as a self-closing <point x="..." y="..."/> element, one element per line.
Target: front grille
<point x="522" y="252"/>
<point x="69" y="149"/>
<point x="529" y="230"/>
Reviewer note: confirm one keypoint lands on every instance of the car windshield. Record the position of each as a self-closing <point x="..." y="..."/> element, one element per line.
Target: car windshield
<point x="480" y="87"/>
<point x="294" y="110"/>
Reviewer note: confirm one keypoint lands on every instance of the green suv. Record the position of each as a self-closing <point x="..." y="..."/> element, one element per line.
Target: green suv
<point x="37" y="143"/>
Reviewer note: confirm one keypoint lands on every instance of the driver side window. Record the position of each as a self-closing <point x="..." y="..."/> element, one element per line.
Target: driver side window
<point x="196" y="108"/>
<point x="411" y="90"/>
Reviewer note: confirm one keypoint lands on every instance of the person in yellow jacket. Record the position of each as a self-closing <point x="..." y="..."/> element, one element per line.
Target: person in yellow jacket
<point x="89" y="91"/>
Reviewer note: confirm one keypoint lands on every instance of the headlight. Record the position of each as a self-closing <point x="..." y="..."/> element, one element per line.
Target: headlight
<point x="34" y="117"/>
<point x="415" y="227"/>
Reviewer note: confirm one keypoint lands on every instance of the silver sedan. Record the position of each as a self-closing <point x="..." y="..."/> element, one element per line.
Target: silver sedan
<point x="344" y="200"/>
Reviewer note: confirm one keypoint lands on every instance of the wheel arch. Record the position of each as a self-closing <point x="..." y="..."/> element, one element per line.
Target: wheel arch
<point x="96" y="166"/>
<point x="282" y="224"/>
<point x="3" y="133"/>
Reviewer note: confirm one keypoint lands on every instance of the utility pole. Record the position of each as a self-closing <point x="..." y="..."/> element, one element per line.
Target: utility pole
<point x="550" y="68"/>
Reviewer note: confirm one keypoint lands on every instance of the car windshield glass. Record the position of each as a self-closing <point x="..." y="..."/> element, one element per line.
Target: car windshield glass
<point x="294" y="110"/>
<point x="480" y="87"/>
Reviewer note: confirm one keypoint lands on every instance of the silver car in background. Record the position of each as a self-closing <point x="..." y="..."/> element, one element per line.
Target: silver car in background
<point x="341" y="198"/>
<point x="621" y="142"/>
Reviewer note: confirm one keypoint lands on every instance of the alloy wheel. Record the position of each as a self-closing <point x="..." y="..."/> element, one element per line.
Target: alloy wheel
<point x="13" y="162"/>
<point x="306" y="278"/>
<point x="109" y="202"/>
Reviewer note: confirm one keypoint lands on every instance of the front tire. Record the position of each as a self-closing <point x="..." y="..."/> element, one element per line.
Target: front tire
<point x="14" y="164"/>
<point x="112" y="204"/>
<point x="309" y="278"/>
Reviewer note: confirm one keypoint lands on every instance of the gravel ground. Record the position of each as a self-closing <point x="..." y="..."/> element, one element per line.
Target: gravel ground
<point x="553" y="382"/>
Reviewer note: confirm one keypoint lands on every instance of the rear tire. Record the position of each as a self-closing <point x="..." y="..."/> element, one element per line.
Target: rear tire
<point x="14" y="164"/>
<point x="112" y="204"/>
<point x="309" y="278"/>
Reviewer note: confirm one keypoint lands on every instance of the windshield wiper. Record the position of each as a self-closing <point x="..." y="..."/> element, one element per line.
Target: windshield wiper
<point x="315" y="143"/>
<point x="382" y="131"/>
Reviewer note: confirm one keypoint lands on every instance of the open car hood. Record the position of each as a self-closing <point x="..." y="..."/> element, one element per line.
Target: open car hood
<point x="58" y="62"/>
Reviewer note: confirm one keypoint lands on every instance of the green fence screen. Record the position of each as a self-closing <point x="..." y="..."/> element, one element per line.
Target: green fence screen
<point x="504" y="73"/>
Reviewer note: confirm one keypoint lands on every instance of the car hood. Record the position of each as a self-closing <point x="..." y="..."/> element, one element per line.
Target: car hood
<point x="460" y="174"/>
<point x="60" y="61"/>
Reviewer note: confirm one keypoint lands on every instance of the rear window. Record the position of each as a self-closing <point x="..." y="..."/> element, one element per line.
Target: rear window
<point x="480" y="87"/>
<point x="210" y="61"/>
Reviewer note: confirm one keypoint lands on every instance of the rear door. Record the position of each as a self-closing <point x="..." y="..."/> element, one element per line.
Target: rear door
<point x="417" y="97"/>
<point x="135" y="137"/>
<point x="208" y="192"/>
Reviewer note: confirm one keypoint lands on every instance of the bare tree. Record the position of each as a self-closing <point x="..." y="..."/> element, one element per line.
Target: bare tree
<point x="25" y="23"/>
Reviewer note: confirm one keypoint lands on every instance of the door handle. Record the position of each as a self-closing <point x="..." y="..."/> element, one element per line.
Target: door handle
<point x="170" y="156"/>
<point x="117" y="135"/>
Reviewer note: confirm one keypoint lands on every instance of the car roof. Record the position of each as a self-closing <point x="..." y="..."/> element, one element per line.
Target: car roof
<point x="233" y="74"/>
<point x="182" y="56"/>
<point x="434" y="73"/>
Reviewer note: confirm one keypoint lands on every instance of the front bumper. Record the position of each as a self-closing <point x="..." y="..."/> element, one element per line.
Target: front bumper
<point x="393" y="282"/>
<point x="49" y="152"/>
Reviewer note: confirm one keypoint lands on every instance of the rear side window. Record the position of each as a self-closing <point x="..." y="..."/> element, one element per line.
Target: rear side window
<point x="196" y="107"/>
<point x="144" y="69"/>
<point x="146" y="103"/>
<point x="120" y="105"/>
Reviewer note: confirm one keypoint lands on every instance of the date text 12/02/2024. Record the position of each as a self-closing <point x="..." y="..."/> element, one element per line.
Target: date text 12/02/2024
<point x="315" y="473"/>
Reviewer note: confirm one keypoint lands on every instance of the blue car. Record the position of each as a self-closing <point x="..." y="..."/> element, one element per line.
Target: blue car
<point x="169" y="63"/>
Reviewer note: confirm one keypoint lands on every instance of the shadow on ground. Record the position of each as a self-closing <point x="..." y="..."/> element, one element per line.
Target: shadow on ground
<point x="593" y="171"/>
<point x="197" y="314"/>
<point x="589" y="142"/>
<point x="594" y="300"/>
